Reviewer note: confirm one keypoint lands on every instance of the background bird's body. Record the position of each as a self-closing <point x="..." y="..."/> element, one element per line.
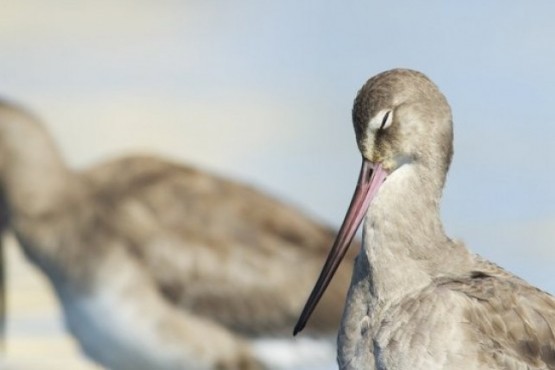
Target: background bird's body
<point x="158" y="265"/>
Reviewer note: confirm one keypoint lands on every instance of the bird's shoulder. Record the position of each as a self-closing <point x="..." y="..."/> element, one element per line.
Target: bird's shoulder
<point x="513" y="321"/>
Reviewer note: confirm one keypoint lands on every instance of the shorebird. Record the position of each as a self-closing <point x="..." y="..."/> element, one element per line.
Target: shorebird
<point x="419" y="300"/>
<point x="158" y="265"/>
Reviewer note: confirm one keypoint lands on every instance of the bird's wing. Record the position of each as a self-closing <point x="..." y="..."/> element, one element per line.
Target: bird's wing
<point x="513" y="322"/>
<point x="219" y="247"/>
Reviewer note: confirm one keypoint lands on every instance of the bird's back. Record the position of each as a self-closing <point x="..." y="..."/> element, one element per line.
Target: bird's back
<point x="217" y="247"/>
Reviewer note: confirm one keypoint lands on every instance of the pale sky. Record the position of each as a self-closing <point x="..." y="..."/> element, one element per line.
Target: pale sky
<point x="262" y="92"/>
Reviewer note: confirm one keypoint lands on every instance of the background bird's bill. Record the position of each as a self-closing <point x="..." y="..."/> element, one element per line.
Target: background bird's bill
<point x="369" y="181"/>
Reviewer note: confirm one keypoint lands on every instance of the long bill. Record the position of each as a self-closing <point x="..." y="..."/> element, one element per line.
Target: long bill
<point x="369" y="181"/>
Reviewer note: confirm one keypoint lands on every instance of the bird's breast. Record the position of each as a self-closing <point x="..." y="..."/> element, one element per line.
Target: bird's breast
<point x="426" y="330"/>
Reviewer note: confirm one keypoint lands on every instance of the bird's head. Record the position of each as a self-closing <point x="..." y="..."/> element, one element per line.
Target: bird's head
<point x="400" y="119"/>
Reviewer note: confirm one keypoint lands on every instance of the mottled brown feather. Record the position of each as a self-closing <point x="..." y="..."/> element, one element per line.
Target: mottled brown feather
<point x="277" y="248"/>
<point x="514" y="320"/>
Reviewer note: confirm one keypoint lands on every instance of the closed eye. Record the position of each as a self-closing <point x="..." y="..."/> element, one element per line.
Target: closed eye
<point x="381" y="120"/>
<point x="384" y="120"/>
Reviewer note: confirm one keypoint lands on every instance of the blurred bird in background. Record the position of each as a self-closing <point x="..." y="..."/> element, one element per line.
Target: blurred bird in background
<point x="158" y="265"/>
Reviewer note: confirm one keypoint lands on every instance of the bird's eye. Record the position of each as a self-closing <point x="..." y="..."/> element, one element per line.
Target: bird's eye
<point x="385" y="120"/>
<point x="381" y="120"/>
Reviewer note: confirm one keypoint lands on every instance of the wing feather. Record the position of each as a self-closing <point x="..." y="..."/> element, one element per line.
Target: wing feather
<point x="218" y="247"/>
<point x="513" y="321"/>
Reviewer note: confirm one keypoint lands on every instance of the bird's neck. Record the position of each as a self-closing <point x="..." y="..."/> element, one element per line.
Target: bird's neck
<point x="405" y="246"/>
<point x="33" y="178"/>
<point x="39" y="194"/>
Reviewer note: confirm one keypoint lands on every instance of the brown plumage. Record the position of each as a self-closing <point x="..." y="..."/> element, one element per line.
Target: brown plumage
<point x="158" y="265"/>
<point x="419" y="300"/>
<point x="514" y="322"/>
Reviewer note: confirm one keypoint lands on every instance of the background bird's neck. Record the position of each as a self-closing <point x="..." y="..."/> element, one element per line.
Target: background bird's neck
<point x="404" y="241"/>
<point x="36" y="189"/>
<point x="33" y="177"/>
